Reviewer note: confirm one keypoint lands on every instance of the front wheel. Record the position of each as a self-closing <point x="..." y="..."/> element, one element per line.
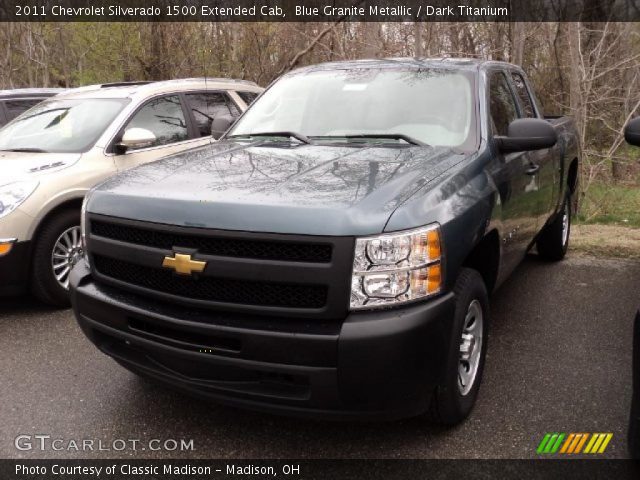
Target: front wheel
<point x="57" y="249"/>
<point x="455" y="397"/>
<point x="553" y="241"/>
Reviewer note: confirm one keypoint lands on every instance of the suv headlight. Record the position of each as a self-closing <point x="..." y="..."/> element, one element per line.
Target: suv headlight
<point x="395" y="268"/>
<point x="13" y="194"/>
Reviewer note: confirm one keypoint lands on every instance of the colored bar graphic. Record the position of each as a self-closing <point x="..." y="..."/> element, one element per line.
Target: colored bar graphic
<point x="556" y="446"/>
<point x="598" y="443"/>
<point x="573" y="443"/>
<point x="550" y="443"/>
<point x="581" y="443"/>
<point x="543" y="444"/>
<point x="606" y="441"/>
<point x="592" y="441"/>
<point x="567" y="442"/>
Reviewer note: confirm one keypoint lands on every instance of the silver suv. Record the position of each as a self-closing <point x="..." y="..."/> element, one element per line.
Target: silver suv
<point x="51" y="155"/>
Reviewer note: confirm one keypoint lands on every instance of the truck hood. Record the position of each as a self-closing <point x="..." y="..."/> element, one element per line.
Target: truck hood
<point x="21" y="165"/>
<point x="306" y="189"/>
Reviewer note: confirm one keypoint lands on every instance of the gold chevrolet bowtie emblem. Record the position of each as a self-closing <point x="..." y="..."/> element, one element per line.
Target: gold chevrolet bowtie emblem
<point x="182" y="264"/>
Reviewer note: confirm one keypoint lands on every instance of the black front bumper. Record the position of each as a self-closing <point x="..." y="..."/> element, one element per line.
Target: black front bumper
<point x="14" y="269"/>
<point x="378" y="365"/>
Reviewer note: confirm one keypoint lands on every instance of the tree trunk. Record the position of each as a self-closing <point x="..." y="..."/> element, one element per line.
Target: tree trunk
<point x="371" y="40"/>
<point x="154" y="67"/>
<point x="417" y="34"/>
<point x="517" y="43"/>
<point x="576" y="104"/>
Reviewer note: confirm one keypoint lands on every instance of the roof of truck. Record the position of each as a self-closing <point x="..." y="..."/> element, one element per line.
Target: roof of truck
<point x="131" y="89"/>
<point x="408" y="62"/>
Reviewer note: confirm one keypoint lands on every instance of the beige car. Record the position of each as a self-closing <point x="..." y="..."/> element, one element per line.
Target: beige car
<point x="51" y="155"/>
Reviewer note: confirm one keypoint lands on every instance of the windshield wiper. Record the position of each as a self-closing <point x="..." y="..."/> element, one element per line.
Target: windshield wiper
<point x="23" y="149"/>
<point x="391" y="136"/>
<point x="298" y="136"/>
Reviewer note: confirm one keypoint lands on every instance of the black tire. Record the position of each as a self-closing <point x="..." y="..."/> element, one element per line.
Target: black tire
<point x="44" y="285"/>
<point x="551" y="243"/>
<point x="449" y="405"/>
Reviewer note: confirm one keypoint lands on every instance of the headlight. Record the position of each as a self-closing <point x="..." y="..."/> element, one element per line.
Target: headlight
<point x="395" y="268"/>
<point x="13" y="194"/>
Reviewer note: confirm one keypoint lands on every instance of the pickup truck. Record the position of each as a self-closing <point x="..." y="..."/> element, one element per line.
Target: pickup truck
<point x="333" y="254"/>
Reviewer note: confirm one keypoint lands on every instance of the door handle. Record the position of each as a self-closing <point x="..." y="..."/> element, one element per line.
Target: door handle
<point x="533" y="169"/>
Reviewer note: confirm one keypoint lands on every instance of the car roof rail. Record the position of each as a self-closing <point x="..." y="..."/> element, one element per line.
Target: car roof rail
<point x="124" y="84"/>
<point x="210" y="79"/>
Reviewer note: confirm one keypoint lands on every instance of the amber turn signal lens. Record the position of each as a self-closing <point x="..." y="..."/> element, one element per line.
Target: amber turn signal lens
<point x="433" y="244"/>
<point x="435" y="278"/>
<point x="5" y="248"/>
<point x="426" y="281"/>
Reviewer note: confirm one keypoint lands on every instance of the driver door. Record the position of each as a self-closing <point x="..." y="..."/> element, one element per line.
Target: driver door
<point x="548" y="161"/>
<point x="517" y="183"/>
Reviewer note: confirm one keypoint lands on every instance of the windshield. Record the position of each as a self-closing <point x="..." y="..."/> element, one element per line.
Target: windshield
<point x="432" y="106"/>
<point x="61" y="126"/>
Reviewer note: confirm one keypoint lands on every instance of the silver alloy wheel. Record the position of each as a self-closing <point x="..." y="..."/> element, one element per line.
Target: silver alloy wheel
<point x="67" y="251"/>
<point x="470" y="347"/>
<point x="565" y="223"/>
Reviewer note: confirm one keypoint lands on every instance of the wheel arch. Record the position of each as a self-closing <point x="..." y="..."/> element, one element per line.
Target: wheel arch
<point x="69" y="204"/>
<point x="572" y="176"/>
<point x="485" y="258"/>
<point x="572" y="183"/>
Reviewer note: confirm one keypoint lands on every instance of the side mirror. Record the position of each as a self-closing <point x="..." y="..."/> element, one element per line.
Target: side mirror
<point x="525" y="134"/>
<point x="220" y="125"/>
<point x="136" y="138"/>
<point x="632" y="132"/>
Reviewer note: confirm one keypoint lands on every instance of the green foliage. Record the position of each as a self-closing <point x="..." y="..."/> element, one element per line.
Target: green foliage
<point x="611" y="204"/>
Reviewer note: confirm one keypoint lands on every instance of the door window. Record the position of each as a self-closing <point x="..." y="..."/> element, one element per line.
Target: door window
<point x="207" y="106"/>
<point x="523" y="95"/>
<point x="501" y="103"/>
<point x="247" y="97"/>
<point x="164" y="117"/>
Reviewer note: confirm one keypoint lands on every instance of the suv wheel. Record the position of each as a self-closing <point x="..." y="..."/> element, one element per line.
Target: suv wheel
<point x="554" y="239"/>
<point x="454" y="399"/>
<point x="57" y="249"/>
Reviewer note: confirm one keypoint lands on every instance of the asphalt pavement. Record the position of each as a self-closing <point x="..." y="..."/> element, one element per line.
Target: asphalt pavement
<point x="559" y="360"/>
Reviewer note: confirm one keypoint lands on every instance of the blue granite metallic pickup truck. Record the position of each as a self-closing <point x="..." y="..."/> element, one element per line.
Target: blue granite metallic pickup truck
<point x="333" y="254"/>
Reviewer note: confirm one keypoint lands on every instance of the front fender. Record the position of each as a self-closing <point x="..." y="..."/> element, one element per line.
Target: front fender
<point x="466" y="205"/>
